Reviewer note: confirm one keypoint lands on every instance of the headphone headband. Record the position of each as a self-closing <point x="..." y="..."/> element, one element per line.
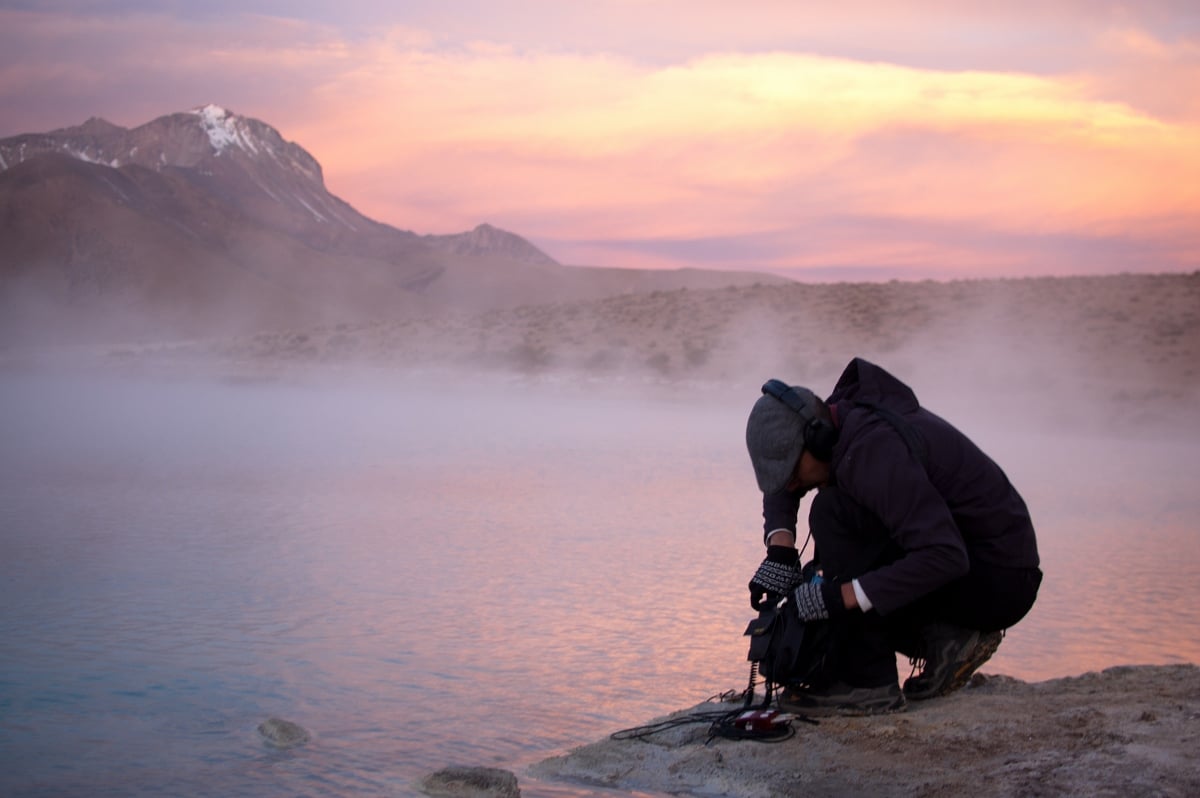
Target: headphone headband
<point x="819" y="435"/>
<point x="784" y="393"/>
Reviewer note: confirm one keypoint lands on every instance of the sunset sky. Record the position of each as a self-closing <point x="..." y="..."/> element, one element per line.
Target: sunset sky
<point x="861" y="139"/>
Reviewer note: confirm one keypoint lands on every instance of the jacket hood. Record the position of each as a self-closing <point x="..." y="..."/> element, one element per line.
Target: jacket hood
<point x="863" y="381"/>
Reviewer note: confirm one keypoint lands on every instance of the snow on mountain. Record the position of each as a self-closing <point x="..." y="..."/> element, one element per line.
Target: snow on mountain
<point x="223" y="128"/>
<point x="257" y="168"/>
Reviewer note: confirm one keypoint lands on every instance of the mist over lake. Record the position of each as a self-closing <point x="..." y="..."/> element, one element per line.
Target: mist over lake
<point x="455" y="569"/>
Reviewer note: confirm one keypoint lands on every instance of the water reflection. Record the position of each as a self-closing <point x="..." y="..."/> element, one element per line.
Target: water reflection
<point x="422" y="583"/>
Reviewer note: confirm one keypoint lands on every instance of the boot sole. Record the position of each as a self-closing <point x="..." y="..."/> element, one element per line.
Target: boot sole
<point x="980" y="653"/>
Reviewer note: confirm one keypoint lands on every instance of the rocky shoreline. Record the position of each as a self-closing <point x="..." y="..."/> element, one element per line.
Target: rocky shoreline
<point x="1128" y="731"/>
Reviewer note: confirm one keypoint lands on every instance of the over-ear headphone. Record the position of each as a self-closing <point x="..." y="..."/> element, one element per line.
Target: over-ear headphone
<point x="820" y="436"/>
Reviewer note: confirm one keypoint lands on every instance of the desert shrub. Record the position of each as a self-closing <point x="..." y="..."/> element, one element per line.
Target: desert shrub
<point x="696" y="354"/>
<point x="600" y="360"/>
<point x="660" y="362"/>
<point x="528" y="356"/>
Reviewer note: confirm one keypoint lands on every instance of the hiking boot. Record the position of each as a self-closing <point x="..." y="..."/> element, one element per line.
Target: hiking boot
<point x="952" y="654"/>
<point x="842" y="699"/>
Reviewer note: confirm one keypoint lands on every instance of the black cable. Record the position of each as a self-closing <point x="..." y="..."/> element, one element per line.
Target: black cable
<point x="642" y="732"/>
<point x="724" y="723"/>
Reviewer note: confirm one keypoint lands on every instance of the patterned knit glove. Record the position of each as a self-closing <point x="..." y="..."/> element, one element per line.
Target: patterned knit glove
<point x="776" y="577"/>
<point x="816" y="602"/>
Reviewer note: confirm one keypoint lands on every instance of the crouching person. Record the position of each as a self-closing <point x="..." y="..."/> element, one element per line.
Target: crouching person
<point x="922" y="544"/>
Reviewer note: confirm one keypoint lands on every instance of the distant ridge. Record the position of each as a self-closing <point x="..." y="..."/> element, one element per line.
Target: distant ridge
<point x="488" y="240"/>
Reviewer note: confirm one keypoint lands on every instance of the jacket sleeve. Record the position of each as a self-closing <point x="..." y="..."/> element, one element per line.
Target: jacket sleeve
<point x="780" y="511"/>
<point x="880" y="473"/>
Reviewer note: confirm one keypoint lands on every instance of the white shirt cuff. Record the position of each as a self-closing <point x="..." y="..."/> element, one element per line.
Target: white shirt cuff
<point x="864" y="603"/>
<point x="767" y="537"/>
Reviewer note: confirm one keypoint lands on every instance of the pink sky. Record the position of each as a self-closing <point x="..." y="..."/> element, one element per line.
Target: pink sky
<point x="862" y="139"/>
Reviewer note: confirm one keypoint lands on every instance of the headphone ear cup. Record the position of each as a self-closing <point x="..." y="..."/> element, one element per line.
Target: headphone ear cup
<point x="820" y="437"/>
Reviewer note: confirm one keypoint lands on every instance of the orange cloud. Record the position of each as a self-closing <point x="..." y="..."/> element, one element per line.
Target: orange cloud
<point x="732" y="142"/>
<point x="582" y="146"/>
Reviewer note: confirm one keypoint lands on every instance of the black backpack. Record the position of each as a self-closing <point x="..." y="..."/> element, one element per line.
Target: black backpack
<point x="787" y="650"/>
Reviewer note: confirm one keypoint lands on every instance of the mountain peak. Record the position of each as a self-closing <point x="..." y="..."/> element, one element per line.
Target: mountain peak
<point x="98" y="126"/>
<point x="243" y="160"/>
<point x="208" y="139"/>
<point x="486" y="239"/>
<point x="212" y="109"/>
<point x="225" y="128"/>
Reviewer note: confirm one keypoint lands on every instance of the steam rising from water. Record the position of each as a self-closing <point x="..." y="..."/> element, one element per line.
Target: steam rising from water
<point x="380" y="546"/>
<point x="387" y="561"/>
<point x="589" y="441"/>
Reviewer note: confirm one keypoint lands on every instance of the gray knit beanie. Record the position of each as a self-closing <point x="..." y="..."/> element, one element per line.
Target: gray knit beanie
<point x="775" y="438"/>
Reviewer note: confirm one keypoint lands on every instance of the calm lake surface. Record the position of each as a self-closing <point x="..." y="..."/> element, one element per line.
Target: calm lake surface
<point x="456" y="573"/>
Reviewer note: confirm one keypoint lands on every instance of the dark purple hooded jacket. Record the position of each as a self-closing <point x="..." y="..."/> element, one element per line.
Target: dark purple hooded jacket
<point x="956" y="510"/>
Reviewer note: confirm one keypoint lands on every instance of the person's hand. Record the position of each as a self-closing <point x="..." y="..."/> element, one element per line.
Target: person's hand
<point x="776" y="577"/>
<point x="816" y="601"/>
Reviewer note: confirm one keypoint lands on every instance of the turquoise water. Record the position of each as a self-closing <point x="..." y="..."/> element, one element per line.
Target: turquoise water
<point x="473" y="574"/>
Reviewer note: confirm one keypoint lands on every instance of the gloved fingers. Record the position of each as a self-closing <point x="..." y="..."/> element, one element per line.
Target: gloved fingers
<point x="757" y="595"/>
<point x="777" y="577"/>
<point x="761" y="597"/>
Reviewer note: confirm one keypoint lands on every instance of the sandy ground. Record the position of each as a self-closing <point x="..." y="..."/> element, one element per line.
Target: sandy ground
<point x="1127" y="731"/>
<point x="1067" y="341"/>
<point x="1147" y="325"/>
